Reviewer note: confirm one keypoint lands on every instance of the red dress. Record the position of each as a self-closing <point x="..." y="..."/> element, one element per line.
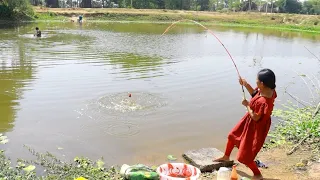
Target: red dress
<point x="249" y="135"/>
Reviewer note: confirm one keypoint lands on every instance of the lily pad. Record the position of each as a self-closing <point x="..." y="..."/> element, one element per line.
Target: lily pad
<point x="20" y="164"/>
<point x="3" y="137"/>
<point x="29" y="168"/>
<point x="171" y="158"/>
<point x="5" y="141"/>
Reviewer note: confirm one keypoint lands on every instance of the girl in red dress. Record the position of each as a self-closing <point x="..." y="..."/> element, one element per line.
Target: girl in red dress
<point x="251" y="131"/>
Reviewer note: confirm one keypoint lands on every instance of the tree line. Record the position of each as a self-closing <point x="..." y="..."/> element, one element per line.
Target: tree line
<point x="281" y="6"/>
<point x="9" y="8"/>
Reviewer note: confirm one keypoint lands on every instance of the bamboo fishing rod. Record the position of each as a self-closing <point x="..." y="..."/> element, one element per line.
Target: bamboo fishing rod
<point x="212" y="33"/>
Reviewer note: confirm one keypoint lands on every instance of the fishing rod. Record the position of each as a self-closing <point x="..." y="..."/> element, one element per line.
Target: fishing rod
<point x="211" y="32"/>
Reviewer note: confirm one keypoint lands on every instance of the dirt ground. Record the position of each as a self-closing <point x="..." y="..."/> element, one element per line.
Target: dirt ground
<point x="297" y="166"/>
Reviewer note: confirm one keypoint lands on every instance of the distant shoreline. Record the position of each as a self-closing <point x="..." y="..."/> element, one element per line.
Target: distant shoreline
<point x="276" y="21"/>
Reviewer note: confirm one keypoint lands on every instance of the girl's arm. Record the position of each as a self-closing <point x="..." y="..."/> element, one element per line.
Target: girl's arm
<point x="244" y="83"/>
<point x="253" y="115"/>
<point x="249" y="88"/>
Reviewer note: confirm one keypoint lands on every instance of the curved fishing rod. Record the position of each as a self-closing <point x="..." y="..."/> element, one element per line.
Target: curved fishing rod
<point x="168" y="28"/>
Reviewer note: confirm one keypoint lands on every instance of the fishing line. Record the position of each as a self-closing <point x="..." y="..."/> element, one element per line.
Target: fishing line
<point x="211" y="32"/>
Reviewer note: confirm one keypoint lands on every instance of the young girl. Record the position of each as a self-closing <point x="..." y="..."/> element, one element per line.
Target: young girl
<point x="251" y="131"/>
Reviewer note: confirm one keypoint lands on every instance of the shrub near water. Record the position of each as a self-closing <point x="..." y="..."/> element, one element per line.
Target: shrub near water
<point x="15" y="9"/>
<point x="297" y="125"/>
<point x="54" y="168"/>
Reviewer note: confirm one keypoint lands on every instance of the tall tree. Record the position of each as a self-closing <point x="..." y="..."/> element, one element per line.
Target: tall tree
<point x="186" y="5"/>
<point x="86" y="4"/>
<point x="289" y="6"/>
<point x="161" y="4"/>
<point x="204" y="5"/>
<point x="52" y="3"/>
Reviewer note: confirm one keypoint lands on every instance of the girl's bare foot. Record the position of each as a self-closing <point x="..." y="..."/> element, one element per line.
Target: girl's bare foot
<point x="224" y="158"/>
<point x="257" y="177"/>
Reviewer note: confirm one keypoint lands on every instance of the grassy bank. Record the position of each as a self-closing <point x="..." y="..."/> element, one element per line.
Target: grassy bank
<point x="294" y="22"/>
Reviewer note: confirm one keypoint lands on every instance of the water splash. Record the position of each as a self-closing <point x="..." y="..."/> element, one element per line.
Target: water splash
<point x="113" y="113"/>
<point x="120" y="104"/>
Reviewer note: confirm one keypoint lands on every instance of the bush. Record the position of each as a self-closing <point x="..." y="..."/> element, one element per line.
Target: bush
<point x="297" y="126"/>
<point x="237" y="6"/>
<point x="15" y="9"/>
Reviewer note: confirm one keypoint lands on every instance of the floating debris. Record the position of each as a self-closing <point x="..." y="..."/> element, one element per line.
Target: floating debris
<point x="171" y="158"/>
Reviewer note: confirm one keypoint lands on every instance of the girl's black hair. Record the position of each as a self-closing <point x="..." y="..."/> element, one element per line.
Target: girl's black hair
<point x="268" y="78"/>
<point x="37" y="28"/>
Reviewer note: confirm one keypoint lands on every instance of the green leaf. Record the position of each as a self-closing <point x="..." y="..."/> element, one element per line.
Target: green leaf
<point x="20" y="164"/>
<point x="5" y="141"/>
<point x="76" y="159"/>
<point x="100" y="163"/>
<point x="29" y="168"/>
<point x="171" y="158"/>
<point x="3" y="138"/>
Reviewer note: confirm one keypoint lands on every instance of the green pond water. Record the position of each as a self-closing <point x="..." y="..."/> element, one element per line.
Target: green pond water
<point x="71" y="87"/>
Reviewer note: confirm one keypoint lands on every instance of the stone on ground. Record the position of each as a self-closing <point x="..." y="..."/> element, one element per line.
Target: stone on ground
<point x="202" y="159"/>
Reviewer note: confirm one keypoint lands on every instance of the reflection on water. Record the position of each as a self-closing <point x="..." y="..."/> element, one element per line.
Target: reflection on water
<point x="16" y="70"/>
<point x="131" y="63"/>
<point x="70" y="88"/>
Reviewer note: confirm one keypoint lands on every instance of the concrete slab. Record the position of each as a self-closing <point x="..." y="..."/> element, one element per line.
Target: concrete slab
<point x="202" y="159"/>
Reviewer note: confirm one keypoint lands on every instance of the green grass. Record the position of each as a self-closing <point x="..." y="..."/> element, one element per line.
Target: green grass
<point x="297" y="126"/>
<point x="55" y="169"/>
<point x="283" y="22"/>
<point x="49" y="16"/>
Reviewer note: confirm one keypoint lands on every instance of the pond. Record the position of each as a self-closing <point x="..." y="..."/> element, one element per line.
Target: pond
<point x="68" y="92"/>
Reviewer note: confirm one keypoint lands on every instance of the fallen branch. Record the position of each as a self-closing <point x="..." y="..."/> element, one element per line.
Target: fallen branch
<point x="295" y="148"/>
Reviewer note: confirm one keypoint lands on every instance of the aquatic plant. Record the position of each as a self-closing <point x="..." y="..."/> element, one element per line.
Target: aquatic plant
<point x="299" y="121"/>
<point x="54" y="168"/>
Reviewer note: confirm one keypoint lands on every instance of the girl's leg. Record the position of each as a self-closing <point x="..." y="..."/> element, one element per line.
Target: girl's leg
<point x="256" y="172"/>
<point x="227" y="153"/>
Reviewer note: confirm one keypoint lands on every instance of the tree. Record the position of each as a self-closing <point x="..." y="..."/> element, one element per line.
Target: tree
<point x="86" y="4"/>
<point x="311" y="7"/>
<point x="15" y="9"/>
<point x="52" y="3"/>
<point x="186" y="5"/>
<point x="204" y="5"/>
<point x="289" y="6"/>
<point x="161" y="4"/>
